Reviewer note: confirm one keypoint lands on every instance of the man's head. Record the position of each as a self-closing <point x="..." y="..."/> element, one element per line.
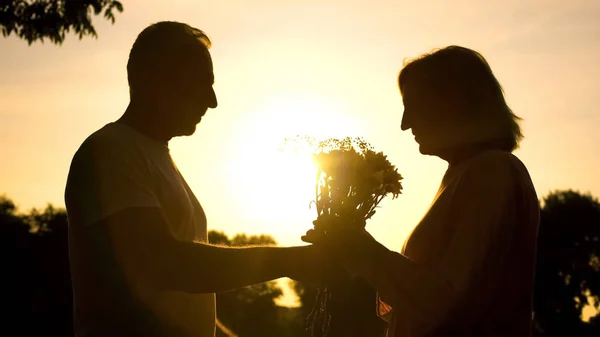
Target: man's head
<point x="170" y="74"/>
<point x="453" y="100"/>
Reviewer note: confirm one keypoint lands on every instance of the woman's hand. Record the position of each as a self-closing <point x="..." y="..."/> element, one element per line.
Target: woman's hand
<point x="349" y="244"/>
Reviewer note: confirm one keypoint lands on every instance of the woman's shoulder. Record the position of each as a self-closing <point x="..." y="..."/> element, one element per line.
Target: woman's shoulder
<point x="498" y="170"/>
<point x="495" y="161"/>
<point x="489" y="168"/>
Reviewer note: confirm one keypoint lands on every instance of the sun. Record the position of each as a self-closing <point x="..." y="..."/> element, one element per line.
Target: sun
<point x="269" y="190"/>
<point x="274" y="188"/>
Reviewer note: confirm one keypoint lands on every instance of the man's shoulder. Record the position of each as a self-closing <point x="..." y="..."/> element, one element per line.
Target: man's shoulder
<point x="106" y="165"/>
<point x="103" y="149"/>
<point x="106" y="136"/>
<point x="109" y="140"/>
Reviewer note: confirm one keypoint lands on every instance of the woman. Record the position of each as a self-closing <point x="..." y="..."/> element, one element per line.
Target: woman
<point x="467" y="268"/>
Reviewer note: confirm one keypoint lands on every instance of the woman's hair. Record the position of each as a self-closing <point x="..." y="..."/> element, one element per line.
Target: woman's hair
<point x="465" y="75"/>
<point x="165" y="52"/>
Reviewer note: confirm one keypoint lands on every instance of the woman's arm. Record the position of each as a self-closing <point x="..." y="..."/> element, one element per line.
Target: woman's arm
<point x="483" y="213"/>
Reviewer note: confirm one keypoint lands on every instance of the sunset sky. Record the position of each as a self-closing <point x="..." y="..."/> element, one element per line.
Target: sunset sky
<point x="325" y="68"/>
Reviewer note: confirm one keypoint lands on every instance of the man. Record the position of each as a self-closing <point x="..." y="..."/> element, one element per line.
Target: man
<point x="140" y="262"/>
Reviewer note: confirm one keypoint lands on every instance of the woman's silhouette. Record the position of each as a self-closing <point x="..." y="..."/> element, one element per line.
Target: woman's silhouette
<point x="467" y="268"/>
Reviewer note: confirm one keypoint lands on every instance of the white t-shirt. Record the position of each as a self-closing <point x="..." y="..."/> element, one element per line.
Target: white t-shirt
<point x="114" y="169"/>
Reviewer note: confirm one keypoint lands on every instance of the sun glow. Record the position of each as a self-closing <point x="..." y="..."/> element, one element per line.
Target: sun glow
<point x="275" y="186"/>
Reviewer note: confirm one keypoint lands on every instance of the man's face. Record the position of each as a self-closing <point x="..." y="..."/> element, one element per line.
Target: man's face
<point x="192" y="97"/>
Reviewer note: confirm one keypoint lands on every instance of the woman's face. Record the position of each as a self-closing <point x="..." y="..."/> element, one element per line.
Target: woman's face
<point x="430" y="117"/>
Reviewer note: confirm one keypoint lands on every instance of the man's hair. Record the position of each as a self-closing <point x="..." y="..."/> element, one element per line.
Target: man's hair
<point x="464" y="74"/>
<point x="164" y="52"/>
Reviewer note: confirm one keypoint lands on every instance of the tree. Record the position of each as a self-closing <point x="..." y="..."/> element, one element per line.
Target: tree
<point x="36" y="281"/>
<point x="49" y="238"/>
<point x="17" y="264"/>
<point x="568" y="265"/>
<point x="35" y="20"/>
<point x="7" y="207"/>
<point x="251" y="311"/>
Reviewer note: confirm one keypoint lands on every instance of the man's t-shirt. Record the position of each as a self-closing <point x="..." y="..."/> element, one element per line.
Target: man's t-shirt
<point x="114" y="169"/>
<point x="467" y="269"/>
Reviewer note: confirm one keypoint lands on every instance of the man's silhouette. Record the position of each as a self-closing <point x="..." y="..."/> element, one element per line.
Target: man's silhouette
<point x="141" y="265"/>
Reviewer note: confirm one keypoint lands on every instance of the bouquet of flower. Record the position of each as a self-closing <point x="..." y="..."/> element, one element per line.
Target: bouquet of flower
<point x="352" y="179"/>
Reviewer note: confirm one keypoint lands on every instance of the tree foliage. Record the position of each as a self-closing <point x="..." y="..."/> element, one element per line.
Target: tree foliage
<point x="568" y="265"/>
<point x="36" y="281"/>
<point x="36" y="20"/>
<point x="252" y="311"/>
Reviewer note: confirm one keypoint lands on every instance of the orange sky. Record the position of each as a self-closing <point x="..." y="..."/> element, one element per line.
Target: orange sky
<point x="324" y="67"/>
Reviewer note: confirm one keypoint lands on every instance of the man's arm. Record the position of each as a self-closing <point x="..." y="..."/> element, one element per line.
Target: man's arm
<point x="146" y="250"/>
<point x="110" y="195"/>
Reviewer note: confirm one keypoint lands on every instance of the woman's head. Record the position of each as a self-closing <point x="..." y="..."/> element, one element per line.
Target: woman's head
<point x="453" y="100"/>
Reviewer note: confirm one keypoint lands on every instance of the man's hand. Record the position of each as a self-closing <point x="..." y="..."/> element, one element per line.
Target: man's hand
<point x="346" y="243"/>
<point x="341" y="240"/>
<point x="311" y="264"/>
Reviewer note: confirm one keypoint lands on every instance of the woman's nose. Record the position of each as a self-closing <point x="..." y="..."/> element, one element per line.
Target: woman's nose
<point x="213" y="100"/>
<point x="405" y="125"/>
